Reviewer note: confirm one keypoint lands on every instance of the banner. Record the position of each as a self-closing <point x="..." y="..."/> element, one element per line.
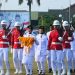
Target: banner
<point x="13" y="16"/>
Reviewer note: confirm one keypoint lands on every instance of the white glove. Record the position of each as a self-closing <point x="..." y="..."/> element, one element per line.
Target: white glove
<point x="11" y="50"/>
<point x="4" y="37"/>
<point x="60" y="38"/>
<point x="69" y="38"/>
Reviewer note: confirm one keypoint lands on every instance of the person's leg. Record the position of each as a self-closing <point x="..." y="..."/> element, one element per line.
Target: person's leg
<point x="26" y="68"/>
<point x="31" y="64"/>
<point x="37" y="59"/>
<point x="6" y="60"/>
<point x="1" y="61"/>
<point x="39" y="67"/>
<point x="59" y="61"/>
<point x="53" y="61"/>
<point x="15" y="60"/>
<point x="69" y="60"/>
<point x="74" y="59"/>
<point x="42" y="62"/>
<point x="20" y="52"/>
<point x="49" y="60"/>
<point x="63" y="62"/>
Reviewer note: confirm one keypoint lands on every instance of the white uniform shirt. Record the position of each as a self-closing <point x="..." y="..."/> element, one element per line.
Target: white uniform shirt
<point x="48" y="34"/>
<point x="42" y="46"/>
<point x="73" y="42"/>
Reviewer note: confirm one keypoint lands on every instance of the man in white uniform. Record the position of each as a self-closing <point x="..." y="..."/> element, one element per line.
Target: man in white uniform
<point x="4" y="48"/>
<point x="49" y="52"/>
<point x="40" y="52"/>
<point x="73" y="50"/>
<point x="55" y="45"/>
<point x="16" y="48"/>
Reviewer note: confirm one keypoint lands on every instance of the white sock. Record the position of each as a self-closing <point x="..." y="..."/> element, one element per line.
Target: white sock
<point x="30" y="68"/>
<point x="43" y="67"/>
<point x="39" y="66"/>
<point x="54" y="72"/>
<point x="26" y="68"/>
<point x="49" y="63"/>
<point x="20" y="66"/>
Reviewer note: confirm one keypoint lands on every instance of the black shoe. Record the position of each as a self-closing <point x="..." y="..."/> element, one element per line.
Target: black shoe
<point x="71" y="71"/>
<point x="39" y="73"/>
<point x="50" y="70"/>
<point x="43" y="74"/>
<point x="74" y="70"/>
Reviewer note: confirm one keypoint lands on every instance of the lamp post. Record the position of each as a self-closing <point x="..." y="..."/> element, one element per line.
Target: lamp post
<point x="73" y="19"/>
<point x="60" y="18"/>
<point x="29" y="4"/>
<point x="0" y="4"/>
<point x="69" y="11"/>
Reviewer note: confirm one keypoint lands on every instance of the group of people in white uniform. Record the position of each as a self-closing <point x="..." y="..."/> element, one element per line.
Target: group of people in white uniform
<point x="53" y="46"/>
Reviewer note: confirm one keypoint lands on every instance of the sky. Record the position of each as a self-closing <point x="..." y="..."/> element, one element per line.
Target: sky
<point x="45" y="5"/>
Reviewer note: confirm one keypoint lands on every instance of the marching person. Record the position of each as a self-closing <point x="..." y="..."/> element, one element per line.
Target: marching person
<point x="55" y="45"/>
<point x="28" y="53"/>
<point x="16" y="48"/>
<point x="48" y="51"/>
<point x="73" y="50"/>
<point x="40" y="52"/>
<point x="67" y="38"/>
<point x="4" y="48"/>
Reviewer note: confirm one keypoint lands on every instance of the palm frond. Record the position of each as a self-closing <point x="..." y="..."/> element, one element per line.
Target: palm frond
<point x="29" y="2"/>
<point x="20" y="2"/>
<point x="38" y="1"/>
<point x="6" y="0"/>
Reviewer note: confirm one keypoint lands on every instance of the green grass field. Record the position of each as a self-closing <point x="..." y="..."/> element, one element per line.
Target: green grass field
<point x="34" y="68"/>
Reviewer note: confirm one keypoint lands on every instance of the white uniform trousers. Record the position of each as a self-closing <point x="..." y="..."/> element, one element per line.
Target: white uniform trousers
<point x="40" y="59"/>
<point x="56" y="61"/>
<point x="4" y="55"/>
<point x="28" y="63"/>
<point x="67" y="53"/>
<point x="17" y="59"/>
<point x="73" y="58"/>
<point x="49" y="58"/>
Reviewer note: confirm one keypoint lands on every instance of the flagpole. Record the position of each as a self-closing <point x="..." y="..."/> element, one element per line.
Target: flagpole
<point x="0" y="4"/>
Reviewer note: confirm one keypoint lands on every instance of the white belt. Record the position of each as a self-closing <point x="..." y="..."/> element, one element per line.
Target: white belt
<point x="17" y="42"/>
<point x="56" y="43"/>
<point x="67" y="42"/>
<point x="4" y="42"/>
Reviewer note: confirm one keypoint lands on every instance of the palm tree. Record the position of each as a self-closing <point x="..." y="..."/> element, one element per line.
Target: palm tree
<point x="29" y="4"/>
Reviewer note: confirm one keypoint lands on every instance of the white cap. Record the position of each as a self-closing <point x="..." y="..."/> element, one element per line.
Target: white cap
<point x="65" y="23"/>
<point x="17" y="24"/>
<point x="4" y="22"/>
<point x="56" y="23"/>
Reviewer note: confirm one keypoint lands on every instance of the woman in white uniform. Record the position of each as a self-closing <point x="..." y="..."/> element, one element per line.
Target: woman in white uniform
<point x="28" y="57"/>
<point x="40" y="53"/>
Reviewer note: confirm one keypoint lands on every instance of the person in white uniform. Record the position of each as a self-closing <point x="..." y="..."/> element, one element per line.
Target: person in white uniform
<point x="40" y="53"/>
<point x="67" y="53"/>
<point x="4" y="48"/>
<point x="49" y="51"/>
<point x="29" y="56"/>
<point x="73" y="50"/>
<point x="55" y="45"/>
<point x="16" y="48"/>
